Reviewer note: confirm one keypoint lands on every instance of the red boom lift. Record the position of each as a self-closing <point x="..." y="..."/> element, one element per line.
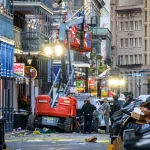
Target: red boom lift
<point x="61" y="111"/>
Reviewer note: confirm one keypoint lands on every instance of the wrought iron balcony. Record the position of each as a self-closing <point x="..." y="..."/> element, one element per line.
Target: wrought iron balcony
<point x="78" y="57"/>
<point x="47" y="3"/>
<point x="32" y="41"/>
<point x="17" y="38"/>
<point x="6" y="26"/>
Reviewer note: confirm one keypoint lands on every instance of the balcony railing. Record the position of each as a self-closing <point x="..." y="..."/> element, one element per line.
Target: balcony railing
<point x="32" y="41"/>
<point x="5" y="12"/>
<point x="47" y="3"/>
<point x="17" y="38"/>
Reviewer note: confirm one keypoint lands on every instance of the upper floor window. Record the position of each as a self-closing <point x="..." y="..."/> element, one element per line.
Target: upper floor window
<point x="140" y="25"/>
<point x="131" y="59"/>
<point x="145" y="45"/>
<point x="145" y="28"/>
<point x="126" y="43"/>
<point x="131" y="25"/>
<point x="136" y="25"/>
<point x="121" y="26"/>
<point x="140" y="42"/>
<point x="145" y="58"/>
<point x="111" y="11"/>
<point x="131" y="42"/>
<point x="135" y="59"/>
<point x="145" y="3"/>
<point x="126" y="26"/>
<point x="145" y="16"/>
<point x="136" y="42"/>
<point x="121" y="43"/>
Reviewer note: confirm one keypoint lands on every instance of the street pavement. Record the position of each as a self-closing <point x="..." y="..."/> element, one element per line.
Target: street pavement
<point x="55" y="141"/>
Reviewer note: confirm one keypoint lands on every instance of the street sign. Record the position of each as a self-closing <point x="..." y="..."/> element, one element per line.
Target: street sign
<point x="136" y="74"/>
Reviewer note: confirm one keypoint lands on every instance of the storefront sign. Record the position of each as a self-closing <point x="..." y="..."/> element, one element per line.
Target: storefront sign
<point x="19" y="69"/>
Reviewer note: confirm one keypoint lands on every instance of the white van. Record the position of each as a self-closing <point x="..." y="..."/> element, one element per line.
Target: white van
<point x="143" y="97"/>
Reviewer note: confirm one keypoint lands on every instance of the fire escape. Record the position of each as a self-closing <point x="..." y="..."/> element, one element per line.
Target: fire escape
<point x="34" y="18"/>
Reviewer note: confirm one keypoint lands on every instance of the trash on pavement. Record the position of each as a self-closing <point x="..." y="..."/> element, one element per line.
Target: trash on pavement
<point x="19" y="129"/>
<point x="101" y="131"/>
<point x="92" y="139"/>
<point x="36" y="132"/>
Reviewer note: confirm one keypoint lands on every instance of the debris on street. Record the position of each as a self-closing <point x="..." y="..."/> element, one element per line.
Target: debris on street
<point x="92" y="139"/>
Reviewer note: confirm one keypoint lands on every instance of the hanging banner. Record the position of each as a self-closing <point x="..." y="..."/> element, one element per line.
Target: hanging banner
<point x="6" y="59"/>
<point x="3" y="56"/>
<point x="12" y="61"/>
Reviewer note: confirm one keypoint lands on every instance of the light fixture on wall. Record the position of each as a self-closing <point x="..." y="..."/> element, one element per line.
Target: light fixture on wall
<point x="29" y="59"/>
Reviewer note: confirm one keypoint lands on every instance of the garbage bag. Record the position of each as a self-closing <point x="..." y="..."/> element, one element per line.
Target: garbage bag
<point x="133" y="125"/>
<point x="116" y="116"/>
<point x="116" y="126"/>
<point x="144" y="128"/>
<point x="138" y="103"/>
<point x="128" y="108"/>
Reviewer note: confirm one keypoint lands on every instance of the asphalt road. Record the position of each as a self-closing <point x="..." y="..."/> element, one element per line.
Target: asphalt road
<point x="55" y="141"/>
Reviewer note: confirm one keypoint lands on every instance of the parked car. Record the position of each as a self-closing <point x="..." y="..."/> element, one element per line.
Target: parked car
<point x="143" y="97"/>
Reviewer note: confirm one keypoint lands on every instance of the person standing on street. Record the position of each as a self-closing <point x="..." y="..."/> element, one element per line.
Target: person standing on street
<point x="106" y="112"/>
<point x="128" y="100"/>
<point x="87" y="110"/>
<point x="115" y="105"/>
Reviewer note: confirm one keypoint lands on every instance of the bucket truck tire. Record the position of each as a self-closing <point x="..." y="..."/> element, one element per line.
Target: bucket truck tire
<point x="68" y="125"/>
<point x="77" y="127"/>
<point x="31" y="123"/>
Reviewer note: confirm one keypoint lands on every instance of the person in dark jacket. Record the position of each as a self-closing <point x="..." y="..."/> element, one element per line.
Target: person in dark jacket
<point x="87" y="110"/>
<point x="115" y="105"/>
<point x="128" y="100"/>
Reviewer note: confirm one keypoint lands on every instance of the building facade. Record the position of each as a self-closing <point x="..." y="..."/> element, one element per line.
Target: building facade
<point x="127" y="55"/>
<point x="6" y="63"/>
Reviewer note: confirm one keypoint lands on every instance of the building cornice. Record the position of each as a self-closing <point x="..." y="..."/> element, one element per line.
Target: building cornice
<point x="29" y="4"/>
<point x="129" y="8"/>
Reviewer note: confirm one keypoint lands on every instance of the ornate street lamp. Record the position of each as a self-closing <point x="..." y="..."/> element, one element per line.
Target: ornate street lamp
<point x="29" y="61"/>
<point x="49" y="50"/>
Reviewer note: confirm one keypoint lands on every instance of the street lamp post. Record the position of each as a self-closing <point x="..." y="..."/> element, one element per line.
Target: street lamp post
<point x="49" y="51"/>
<point x="29" y="61"/>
